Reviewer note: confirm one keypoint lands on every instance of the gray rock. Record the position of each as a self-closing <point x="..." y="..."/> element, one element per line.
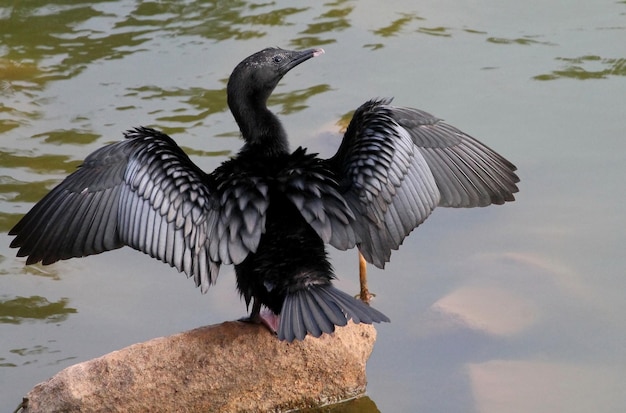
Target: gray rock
<point x="229" y="367"/>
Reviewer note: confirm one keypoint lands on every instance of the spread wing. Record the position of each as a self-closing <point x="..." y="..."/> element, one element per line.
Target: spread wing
<point x="467" y="172"/>
<point x="395" y="165"/>
<point x="146" y="193"/>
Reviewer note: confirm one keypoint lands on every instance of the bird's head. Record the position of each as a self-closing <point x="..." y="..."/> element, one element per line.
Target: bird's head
<point x="257" y="75"/>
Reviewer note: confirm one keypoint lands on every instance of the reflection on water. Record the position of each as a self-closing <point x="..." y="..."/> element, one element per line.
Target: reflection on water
<point x="73" y="36"/>
<point x="539" y="386"/>
<point x="20" y="357"/>
<point x="435" y="31"/>
<point x="503" y="310"/>
<point x="396" y="27"/>
<point x="526" y="40"/>
<point x="201" y="103"/>
<point x="43" y="163"/>
<point x="587" y="67"/>
<point x="72" y="136"/>
<point x="491" y="310"/>
<point x="10" y="267"/>
<point x="295" y="101"/>
<point x="331" y="21"/>
<point x="19" y="309"/>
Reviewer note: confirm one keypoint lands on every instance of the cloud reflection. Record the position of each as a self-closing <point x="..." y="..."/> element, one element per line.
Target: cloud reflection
<point x="489" y="309"/>
<point x="511" y="386"/>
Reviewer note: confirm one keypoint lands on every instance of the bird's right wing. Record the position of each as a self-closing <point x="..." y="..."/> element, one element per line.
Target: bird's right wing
<point x="396" y="164"/>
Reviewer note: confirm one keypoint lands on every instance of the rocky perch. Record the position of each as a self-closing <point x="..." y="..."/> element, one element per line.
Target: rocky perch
<point x="229" y="367"/>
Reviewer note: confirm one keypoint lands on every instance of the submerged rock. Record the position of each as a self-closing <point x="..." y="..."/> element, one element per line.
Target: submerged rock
<point x="229" y="367"/>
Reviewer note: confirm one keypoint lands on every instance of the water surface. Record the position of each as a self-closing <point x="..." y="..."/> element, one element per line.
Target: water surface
<point x="504" y="309"/>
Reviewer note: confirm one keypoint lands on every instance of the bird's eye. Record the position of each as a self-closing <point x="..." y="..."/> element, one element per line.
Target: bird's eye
<point x="278" y="59"/>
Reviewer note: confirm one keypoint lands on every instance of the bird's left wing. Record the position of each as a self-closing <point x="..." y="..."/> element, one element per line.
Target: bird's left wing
<point x="468" y="173"/>
<point x="385" y="180"/>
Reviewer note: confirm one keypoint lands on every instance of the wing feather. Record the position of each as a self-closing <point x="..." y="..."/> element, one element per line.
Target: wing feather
<point x="385" y="180"/>
<point x="243" y="202"/>
<point x="395" y="165"/>
<point x="468" y="173"/>
<point x="143" y="192"/>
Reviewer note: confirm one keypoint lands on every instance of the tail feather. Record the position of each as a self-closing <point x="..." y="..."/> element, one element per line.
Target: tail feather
<point x="310" y="314"/>
<point x="291" y="314"/>
<point x="358" y="313"/>
<point x="318" y="309"/>
<point x="318" y="320"/>
<point x="330" y="310"/>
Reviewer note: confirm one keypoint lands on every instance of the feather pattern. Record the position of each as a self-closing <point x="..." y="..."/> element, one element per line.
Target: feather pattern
<point x="467" y="172"/>
<point x="243" y="199"/>
<point x="310" y="186"/>
<point x="317" y="309"/>
<point x="120" y="196"/>
<point x="396" y="164"/>
<point x="385" y="180"/>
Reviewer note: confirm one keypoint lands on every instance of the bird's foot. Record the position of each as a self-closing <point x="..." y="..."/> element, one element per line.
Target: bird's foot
<point x="365" y="296"/>
<point x="266" y="318"/>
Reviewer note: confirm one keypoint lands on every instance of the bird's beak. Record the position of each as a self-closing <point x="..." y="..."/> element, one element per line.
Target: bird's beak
<point x="297" y="57"/>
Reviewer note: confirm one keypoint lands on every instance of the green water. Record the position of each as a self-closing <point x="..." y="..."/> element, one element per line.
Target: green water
<point x="505" y="309"/>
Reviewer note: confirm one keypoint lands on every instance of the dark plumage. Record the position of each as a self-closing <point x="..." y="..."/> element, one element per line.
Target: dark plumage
<point x="268" y="211"/>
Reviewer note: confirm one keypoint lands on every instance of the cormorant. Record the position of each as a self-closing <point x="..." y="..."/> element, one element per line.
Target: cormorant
<point x="270" y="211"/>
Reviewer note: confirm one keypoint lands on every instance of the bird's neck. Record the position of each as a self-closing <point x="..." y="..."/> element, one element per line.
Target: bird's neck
<point x="261" y="129"/>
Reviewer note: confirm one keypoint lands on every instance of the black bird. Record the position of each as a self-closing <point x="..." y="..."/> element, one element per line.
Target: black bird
<point x="270" y="211"/>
